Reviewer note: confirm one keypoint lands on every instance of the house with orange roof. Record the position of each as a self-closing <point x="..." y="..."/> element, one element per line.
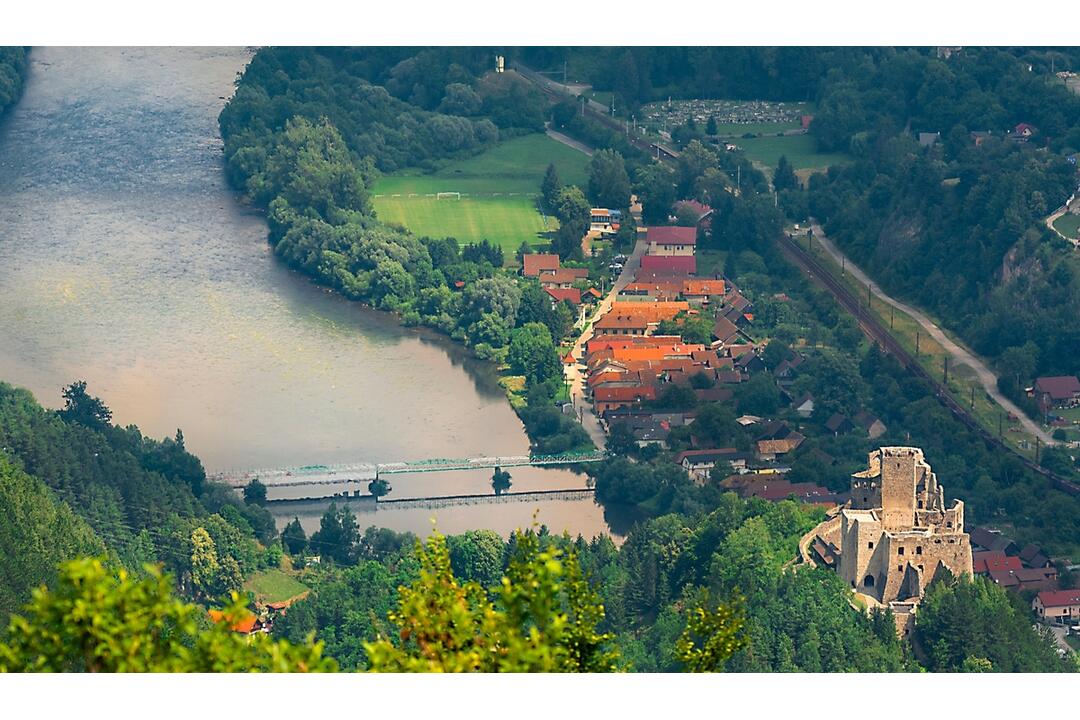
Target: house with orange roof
<point x="533" y="265"/>
<point x="571" y="295"/>
<point x="637" y="318"/>
<point x="611" y="398"/>
<point x="562" y="277"/>
<point x="701" y="292"/>
<point x="248" y="624"/>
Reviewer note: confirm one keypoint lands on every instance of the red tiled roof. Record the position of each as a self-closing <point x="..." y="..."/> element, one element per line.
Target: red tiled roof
<point x="1059" y="598"/>
<point x="562" y="276"/>
<point x="533" y="264"/>
<point x="682" y="263"/>
<point x="1061" y="387"/>
<point x="624" y="394"/>
<point x="703" y="287"/>
<point x="984" y="562"/>
<point x="560" y="294"/>
<point x="668" y="235"/>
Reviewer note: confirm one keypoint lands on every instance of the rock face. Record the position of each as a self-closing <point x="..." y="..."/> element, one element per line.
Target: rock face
<point x="896" y="533"/>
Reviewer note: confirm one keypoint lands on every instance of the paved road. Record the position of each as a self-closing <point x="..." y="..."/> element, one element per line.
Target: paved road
<point x="569" y="142"/>
<point x="960" y="355"/>
<point x="575" y="375"/>
<point x="1059" y="637"/>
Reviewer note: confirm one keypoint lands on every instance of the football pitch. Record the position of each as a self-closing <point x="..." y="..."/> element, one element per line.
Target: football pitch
<point x="498" y="194"/>
<point x="506" y="221"/>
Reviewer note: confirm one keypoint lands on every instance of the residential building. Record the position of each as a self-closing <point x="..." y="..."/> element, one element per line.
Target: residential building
<point x="533" y="265"/>
<point x="871" y="424"/>
<point x="804" y="406"/>
<point x="699" y="464"/>
<point x="1062" y="391"/>
<point x="1058" y="606"/>
<point x="686" y="264"/>
<point x="672" y="241"/>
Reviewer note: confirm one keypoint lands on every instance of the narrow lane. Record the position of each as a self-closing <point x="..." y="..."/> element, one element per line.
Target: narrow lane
<point x="960" y="355"/>
<point x="575" y="374"/>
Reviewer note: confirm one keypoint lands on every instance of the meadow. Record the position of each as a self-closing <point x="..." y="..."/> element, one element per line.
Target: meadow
<point x="274" y="586"/>
<point x="498" y="193"/>
<point x="800" y="150"/>
<point x="506" y="221"/>
<point x="1068" y="225"/>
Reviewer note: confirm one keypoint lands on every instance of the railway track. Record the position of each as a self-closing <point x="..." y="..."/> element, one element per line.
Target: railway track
<point x="877" y="332"/>
<point x="545" y="86"/>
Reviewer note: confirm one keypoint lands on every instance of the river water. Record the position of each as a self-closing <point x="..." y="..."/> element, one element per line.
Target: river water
<point x="126" y="260"/>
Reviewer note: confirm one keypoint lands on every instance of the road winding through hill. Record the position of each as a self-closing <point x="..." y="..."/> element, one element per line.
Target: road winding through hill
<point x="959" y="354"/>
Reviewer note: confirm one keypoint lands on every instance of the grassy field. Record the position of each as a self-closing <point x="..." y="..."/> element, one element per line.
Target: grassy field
<point x="274" y="586"/>
<point x="499" y="189"/>
<point x="800" y="150"/>
<point x="506" y="221"/>
<point x="737" y="130"/>
<point x="514" y="166"/>
<point x="1068" y="225"/>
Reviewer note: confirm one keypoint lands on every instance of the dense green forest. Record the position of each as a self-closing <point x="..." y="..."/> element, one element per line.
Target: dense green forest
<point x="96" y="486"/>
<point x="13" y="62"/>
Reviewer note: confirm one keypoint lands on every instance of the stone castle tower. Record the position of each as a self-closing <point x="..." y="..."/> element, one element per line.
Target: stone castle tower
<point x="896" y="533"/>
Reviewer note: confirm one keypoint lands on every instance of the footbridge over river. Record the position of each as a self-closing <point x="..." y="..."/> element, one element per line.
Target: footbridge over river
<point x="310" y="475"/>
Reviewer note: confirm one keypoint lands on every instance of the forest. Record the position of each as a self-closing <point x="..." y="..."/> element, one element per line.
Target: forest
<point x="12" y="75"/>
<point x="83" y="486"/>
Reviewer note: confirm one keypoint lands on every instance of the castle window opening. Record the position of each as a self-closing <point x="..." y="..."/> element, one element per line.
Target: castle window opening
<point x="870" y="545"/>
<point x="900" y="550"/>
<point x="868" y="581"/>
<point x="918" y="549"/>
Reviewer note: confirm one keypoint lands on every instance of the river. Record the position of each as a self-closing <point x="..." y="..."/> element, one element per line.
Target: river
<point x="127" y="261"/>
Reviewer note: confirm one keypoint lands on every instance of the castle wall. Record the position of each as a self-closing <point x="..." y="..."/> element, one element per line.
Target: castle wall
<point x="898" y="484"/>
<point x="900" y="545"/>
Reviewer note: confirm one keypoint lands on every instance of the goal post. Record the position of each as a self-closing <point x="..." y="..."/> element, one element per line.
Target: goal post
<point x="448" y="196"/>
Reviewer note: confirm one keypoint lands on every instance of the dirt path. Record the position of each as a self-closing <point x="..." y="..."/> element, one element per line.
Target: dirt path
<point x="1069" y="205"/>
<point x="575" y="374"/>
<point x="960" y="355"/>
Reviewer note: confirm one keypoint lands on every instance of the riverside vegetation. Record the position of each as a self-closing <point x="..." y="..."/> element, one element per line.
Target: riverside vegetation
<point x="703" y="582"/>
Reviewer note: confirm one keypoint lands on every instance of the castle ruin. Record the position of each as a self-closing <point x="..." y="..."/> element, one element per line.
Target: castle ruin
<point x="895" y="534"/>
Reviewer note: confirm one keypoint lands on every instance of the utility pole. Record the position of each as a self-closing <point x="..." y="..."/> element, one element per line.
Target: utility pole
<point x="916" y="344"/>
<point x="892" y="316"/>
<point x="946" y="375"/>
<point x="1036" y="449"/>
<point x="843" y="266"/>
<point x="868" y="296"/>
<point x="1000" y="426"/>
<point x="972" y="397"/>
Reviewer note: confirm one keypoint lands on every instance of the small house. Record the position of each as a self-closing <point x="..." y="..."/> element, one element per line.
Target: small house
<point x="1062" y="391"/>
<point x="871" y="424"/>
<point x="1058" y="606"/>
<point x="839" y="424"/>
<point x="804" y="406"/>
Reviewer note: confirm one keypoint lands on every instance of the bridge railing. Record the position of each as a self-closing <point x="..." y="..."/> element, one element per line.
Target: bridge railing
<point x="328" y="474"/>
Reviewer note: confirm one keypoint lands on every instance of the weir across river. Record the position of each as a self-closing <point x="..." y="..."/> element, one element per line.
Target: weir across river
<point x="313" y="475"/>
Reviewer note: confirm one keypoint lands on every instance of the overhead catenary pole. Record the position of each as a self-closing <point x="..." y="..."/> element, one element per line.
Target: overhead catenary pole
<point x="917" y="343"/>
